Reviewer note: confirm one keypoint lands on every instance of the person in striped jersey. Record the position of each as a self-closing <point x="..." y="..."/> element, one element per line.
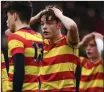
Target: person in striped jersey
<point x="23" y="71"/>
<point x="92" y="68"/>
<point x="4" y="75"/>
<point x="57" y="70"/>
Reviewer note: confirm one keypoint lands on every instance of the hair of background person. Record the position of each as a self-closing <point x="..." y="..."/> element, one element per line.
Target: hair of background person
<point x="22" y="8"/>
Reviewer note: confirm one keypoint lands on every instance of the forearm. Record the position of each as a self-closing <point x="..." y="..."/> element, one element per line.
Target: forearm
<point x="18" y="77"/>
<point x="36" y="18"/>
<point x="67" y="22"/>
<point x="33" y="20"/>
<point x="72" y="30"/>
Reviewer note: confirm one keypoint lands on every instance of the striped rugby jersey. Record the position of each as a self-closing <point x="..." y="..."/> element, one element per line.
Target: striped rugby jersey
<point x="57" y="71"/>
<point x="4" y="75"/>
<point x="92" y="76"/>
<point x="21" y="42"/>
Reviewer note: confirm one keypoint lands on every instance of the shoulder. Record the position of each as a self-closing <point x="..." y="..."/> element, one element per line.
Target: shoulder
<point x="16" y="37"/>
<point x="38" y="35"/>
<point x="83" y="60"/>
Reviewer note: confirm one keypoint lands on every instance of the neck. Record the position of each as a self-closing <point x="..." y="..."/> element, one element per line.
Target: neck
<point x="55" y="38"/>
<point x="94" y="59"/>
<point x="20" y="25"/>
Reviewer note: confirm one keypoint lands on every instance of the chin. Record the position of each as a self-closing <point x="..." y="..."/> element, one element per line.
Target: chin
<point x="46" y="37"/>
<point x="90" y="57"/>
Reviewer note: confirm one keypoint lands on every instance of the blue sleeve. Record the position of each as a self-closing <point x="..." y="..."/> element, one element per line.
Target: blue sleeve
<point x="18" y="77"/>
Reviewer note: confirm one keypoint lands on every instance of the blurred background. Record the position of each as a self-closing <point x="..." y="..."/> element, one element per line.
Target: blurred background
<point x="88" y="15"/>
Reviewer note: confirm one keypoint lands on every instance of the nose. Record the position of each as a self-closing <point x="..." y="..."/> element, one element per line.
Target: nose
<point x="88" y="48"/>
<point x="44" y="26"/>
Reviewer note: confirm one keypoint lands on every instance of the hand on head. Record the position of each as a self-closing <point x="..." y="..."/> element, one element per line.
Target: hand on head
<point x="88" y="37"/>
<point x="97" y="35"/>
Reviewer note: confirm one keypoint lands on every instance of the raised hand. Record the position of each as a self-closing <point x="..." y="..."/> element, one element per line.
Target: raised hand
<point x="56" y="11"/>
<point x="85" y="39"/>
<point x="97" y="35"/>
<point x="36" y="18"/>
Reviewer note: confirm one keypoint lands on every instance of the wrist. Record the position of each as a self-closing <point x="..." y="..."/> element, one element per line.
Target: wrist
<point x="60" y="16"/>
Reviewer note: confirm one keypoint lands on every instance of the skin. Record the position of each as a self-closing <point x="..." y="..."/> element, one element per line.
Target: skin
<point x="14" y="23"/>
<point x="90" y="36"/>
<point x="50" y="29"/>
<point x="90" y="45"/>
<point x="70" y="25"/>
<point x="11" y="22"/>
<point x="91" y="51"/>
<point x="8" y="32"/>
<point x="53" y="27"/>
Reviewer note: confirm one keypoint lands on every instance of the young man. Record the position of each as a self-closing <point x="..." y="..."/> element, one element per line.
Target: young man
<point x="57" y="71"/>
<point x="23" y="71"/>
<point x="92" y="71"/>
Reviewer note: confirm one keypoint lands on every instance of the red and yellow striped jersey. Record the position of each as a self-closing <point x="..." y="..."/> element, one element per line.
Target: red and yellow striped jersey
<point x="21" y="42"/>
<point x="92" y="76"/>
<point x="57" y="71"/>
<point x="4" y="75"/>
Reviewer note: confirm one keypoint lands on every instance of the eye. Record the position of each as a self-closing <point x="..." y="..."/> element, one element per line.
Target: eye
<point x="42" y="23"/>
<point x="93" y="45"/>
<point x="49" y="22"/>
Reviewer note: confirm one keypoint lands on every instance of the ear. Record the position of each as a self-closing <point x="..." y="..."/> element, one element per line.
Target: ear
<point x="15" y="16"/>
<point x="59" y="25"/>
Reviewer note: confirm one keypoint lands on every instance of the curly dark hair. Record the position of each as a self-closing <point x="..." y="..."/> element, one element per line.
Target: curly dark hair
<point x="51" y="13"/>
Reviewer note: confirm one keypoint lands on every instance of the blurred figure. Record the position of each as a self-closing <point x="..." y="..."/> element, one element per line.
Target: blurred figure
<point x="92" y="73"/>
<point x="4" y="75"/>
<point x="4" y="39"/>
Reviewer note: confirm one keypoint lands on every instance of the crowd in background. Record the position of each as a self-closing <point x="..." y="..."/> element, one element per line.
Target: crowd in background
<point x="89" y="15"/>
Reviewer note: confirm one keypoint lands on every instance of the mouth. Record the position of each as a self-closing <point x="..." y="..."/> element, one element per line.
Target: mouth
<point x="89" y="53"/>
<point x="45" y="33"/>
